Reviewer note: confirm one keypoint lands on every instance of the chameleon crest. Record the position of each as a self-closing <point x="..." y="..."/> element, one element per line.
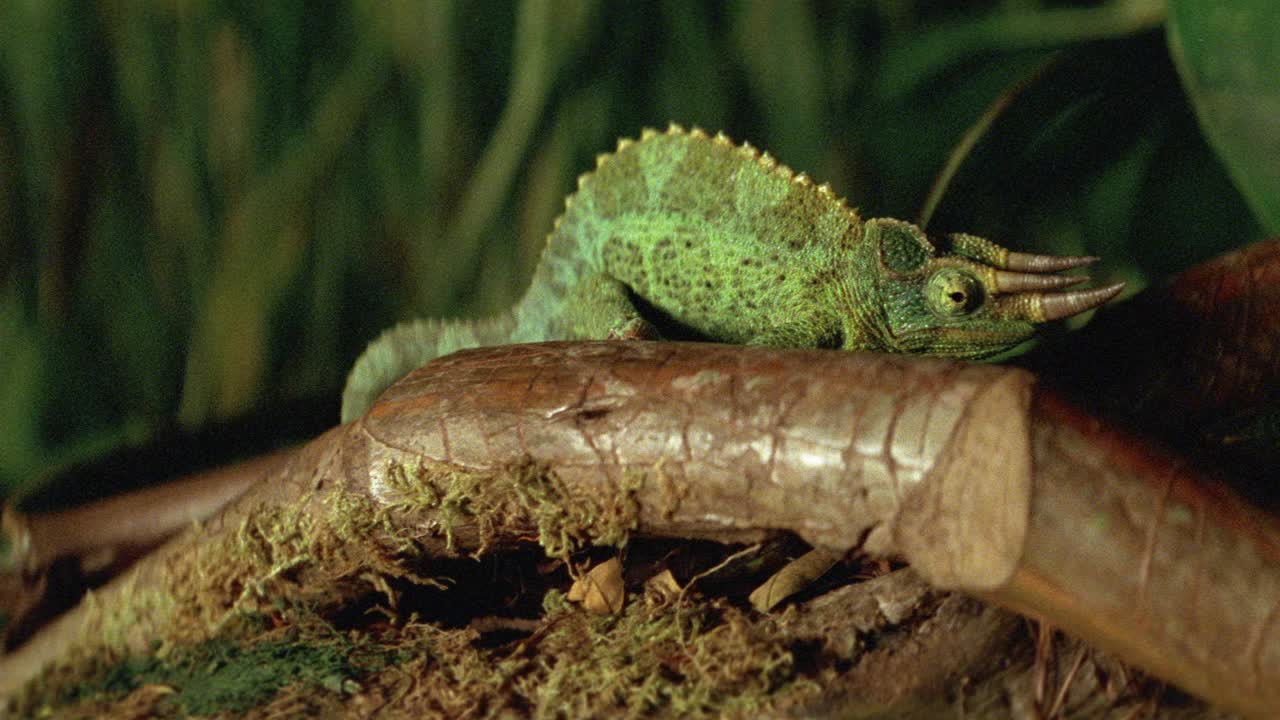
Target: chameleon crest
<point x="684" y="235"/>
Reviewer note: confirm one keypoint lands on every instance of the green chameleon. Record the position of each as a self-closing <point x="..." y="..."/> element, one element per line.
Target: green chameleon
<point x="687" y="236"/>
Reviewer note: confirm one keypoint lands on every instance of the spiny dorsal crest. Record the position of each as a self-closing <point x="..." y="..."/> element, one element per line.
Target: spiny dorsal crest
<point x="746" y="150"/>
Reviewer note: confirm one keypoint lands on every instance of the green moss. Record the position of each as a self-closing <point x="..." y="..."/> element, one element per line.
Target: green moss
<point x="290" y="567"/>
<point x="695" y="659"/>
<point x="523" y="495"/>
<point x="219" y="676"/>
<point x="704" y="659"/>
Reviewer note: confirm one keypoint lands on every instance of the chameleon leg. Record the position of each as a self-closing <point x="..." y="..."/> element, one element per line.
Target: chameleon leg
<point x="600" y="307"/>
<point x="794" y="335"/>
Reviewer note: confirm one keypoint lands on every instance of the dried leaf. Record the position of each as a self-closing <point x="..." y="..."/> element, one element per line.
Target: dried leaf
<point x="601" y="590"/>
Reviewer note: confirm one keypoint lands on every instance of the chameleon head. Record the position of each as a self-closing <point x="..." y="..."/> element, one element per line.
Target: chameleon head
<point x="964" y="296"/>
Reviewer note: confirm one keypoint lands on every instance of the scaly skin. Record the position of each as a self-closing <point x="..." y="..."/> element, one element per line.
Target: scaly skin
<point x="688" y="236"/>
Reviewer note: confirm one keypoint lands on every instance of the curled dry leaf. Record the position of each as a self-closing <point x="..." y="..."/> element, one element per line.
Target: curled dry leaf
<point x="601" y="590"/>
<point x="791" y="579"/>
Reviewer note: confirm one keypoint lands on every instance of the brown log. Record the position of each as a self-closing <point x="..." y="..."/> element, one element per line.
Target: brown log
<point x="982" y="482"/>
<point x="1131" y="549"/>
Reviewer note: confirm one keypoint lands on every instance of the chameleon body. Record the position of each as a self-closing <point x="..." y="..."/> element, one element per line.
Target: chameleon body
<point x="688" y="236"/>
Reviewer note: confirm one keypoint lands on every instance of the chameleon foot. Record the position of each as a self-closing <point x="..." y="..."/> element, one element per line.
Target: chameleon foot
<point x="635" y="329"/>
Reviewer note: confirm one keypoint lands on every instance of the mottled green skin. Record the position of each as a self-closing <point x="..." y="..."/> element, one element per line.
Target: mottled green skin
<point x="718" y="242"/>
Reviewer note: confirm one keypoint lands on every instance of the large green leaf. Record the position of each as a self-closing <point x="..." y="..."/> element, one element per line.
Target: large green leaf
<point x="1228" y="54"/>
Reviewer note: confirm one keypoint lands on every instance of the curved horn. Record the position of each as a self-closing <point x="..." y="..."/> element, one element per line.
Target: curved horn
<point x="1027" y="262"/>
<point x="1056" y="306"/>
<point x="1012" y="282"/>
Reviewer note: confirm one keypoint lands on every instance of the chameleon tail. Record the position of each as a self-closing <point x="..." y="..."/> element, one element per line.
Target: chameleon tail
<point x="403" y="348"/>
<point x="409" y="345"/>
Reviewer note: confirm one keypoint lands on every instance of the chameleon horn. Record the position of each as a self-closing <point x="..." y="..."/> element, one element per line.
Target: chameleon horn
<point x="1027" y="262"/>
<point x="1012" y="282"/>
<point x="1056" y="306"/>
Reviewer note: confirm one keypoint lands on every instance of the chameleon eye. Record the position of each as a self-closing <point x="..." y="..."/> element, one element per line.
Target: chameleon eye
<point x="952" y="293"/>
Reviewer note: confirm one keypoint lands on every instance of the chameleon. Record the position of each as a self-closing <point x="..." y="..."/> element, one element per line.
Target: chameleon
<point x="684" y="235"/>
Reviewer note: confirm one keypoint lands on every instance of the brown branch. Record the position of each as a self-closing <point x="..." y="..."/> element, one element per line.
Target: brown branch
<point x="140" y="519"/>
<point x="1131" y="549"/>
<point x="981" y="481"/>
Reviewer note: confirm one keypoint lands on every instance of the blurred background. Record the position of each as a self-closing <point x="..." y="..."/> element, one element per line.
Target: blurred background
<point x="208" y="207"/>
